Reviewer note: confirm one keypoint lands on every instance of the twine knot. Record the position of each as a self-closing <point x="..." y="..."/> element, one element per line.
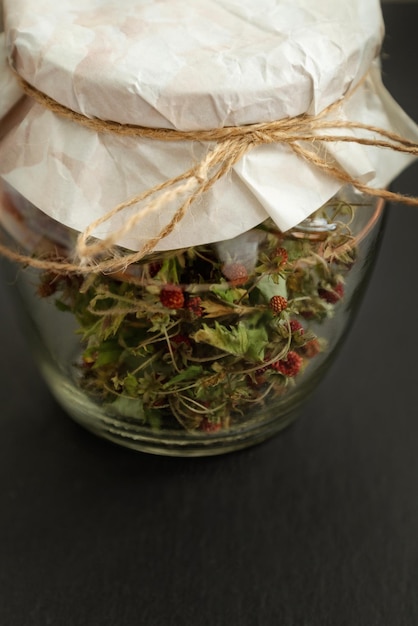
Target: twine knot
<point x="226" y="146"/>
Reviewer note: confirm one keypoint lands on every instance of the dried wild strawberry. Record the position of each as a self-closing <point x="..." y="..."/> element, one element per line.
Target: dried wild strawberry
<point x="154" y="268"/>
<point x="332" y="295"/>
<point x="289" y="366"/>
<point x="172" y="297"/>
<point x="235" y="273"/>
<point x="311" y="349"/>
<point x="194" y="305"/>
<point x="282" y="253"/>
<point x="209" y="427"/>
<point x="296" y="327"/>
<point x="257" y="378"/>
<point x="177" y="340"/>
<point x="278" y="304"/>
<point x="307" y="314"/>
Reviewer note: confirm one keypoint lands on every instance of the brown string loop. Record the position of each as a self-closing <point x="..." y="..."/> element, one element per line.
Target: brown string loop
<point x="303" y="134"/>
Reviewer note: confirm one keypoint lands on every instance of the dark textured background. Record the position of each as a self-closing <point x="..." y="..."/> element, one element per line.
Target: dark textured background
<point x="317" y="527"/>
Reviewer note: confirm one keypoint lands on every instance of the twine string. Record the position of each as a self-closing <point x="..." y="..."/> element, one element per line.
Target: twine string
<point x="304" y="135"/>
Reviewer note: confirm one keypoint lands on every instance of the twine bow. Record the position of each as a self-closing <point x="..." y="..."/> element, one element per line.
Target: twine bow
<point x="303" y="134"/>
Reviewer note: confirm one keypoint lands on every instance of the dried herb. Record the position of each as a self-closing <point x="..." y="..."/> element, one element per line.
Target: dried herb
<point x="203" y="338"/>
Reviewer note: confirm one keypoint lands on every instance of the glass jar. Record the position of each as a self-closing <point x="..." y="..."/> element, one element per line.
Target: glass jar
<point x="202" y="350"/>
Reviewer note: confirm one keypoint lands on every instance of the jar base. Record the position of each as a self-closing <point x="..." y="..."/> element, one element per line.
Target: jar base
<point x="125" y="432"/>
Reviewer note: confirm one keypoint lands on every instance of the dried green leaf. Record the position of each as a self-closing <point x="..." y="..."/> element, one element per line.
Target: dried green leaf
<point x="271" y="286"/>
<point x="228" y="295"/>
<point x="108" y="352"/>
<point x="130" y="384"/>
<point x="127" y="407"/>
<point x="239" y="340"/>
<point x="190" y="373"/>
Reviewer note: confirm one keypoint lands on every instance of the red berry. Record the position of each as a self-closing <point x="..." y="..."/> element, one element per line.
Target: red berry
<point x="263" y="369"/>
<point x="235" y="273"/>
<point x="282" y="253"/>
<point x="289" y="366"/>
<point x="172" y="297"/>
<point x="154" y="268"/>
<point x="177" y="340"/>
<point x="307" y="314"/>
<point x="194" y="305"/>
<point x="296" y="327"/>
<point x="209" y="427"/>
<point x="257" y="378"/>
<point x="332" y="295"/>
<point x="311" y="349"/>
<point x="278" y="304"/>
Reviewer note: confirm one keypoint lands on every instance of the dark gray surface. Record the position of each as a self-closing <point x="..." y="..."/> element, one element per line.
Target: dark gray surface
<point x="317" y="527"/>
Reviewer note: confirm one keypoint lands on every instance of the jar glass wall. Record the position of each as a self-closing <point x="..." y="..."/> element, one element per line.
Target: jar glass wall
<point x="202" y="350"/>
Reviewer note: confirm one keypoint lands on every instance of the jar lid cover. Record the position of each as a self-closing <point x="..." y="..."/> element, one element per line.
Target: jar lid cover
<point x="184" y="65"/>
<point x="193" y="65"/>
